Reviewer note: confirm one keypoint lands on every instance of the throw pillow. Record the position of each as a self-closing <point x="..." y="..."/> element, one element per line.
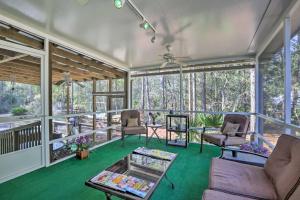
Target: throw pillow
<point x="132" y="122"/>
<point x="231" y="129"/>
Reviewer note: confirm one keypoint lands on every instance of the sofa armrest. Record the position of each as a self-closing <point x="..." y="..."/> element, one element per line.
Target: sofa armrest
<point x="242" y="151"/>
<point x="246" y="158"/>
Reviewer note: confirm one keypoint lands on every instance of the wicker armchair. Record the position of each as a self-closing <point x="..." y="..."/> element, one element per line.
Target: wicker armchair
<point x="221" y="139"/>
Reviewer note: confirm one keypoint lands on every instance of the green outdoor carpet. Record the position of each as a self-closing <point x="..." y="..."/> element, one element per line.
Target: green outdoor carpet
<point x="65" y="180"/>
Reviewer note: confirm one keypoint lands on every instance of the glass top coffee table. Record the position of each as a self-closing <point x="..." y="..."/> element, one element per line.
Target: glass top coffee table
<point x="136" y="176"/>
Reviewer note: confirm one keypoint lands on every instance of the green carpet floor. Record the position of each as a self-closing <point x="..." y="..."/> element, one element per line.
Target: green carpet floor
<point x="65" y="180"/>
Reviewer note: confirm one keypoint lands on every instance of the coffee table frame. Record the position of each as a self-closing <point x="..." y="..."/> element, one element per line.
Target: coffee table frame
<point x="123" y="195"/>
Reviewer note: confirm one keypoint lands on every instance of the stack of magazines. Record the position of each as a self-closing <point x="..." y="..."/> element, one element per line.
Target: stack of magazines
<point x="149" y="162"/>
<point x="155" y="153"/>
<point x="123" y="183"/>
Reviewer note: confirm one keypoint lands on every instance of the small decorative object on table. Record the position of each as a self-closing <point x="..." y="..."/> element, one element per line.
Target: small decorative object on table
<point x="255" y="148"/>
<point x="82" y="143"/>
<point x="154" y="116"/>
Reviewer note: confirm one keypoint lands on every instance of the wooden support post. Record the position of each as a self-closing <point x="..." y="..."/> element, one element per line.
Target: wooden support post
<point x="109" y="107"/>
<point x="50" y="91"/>
<point x="94" y="109"/>
<point x="68" y="108"/>
<point x="125" y="98"/>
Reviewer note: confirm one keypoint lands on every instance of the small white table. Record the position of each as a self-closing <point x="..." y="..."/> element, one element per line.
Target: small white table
<point x="154" y="128"/>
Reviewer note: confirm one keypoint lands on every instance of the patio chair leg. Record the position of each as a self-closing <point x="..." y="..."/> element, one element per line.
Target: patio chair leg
<point x="122" y="138"/>
<point x="201" y="144"/>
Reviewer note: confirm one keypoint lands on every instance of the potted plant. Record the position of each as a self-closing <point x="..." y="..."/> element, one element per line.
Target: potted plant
<point x="154" y="116"/>
<point x="82" y="143"/>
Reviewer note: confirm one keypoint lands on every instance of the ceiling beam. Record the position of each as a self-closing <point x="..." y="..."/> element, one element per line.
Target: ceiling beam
<point x="85" y="61"/>
<point x="15" y="35"/>
<point x="77" y="71"/>
<point x="66" y="61"/>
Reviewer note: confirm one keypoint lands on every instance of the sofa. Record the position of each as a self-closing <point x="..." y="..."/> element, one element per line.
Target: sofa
<point x="278" y="179"/>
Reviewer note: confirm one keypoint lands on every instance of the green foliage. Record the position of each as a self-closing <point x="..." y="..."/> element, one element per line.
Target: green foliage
<point x="19" y="111"/>
<point x="209" y="120"/>
<point x="204" y="120"/>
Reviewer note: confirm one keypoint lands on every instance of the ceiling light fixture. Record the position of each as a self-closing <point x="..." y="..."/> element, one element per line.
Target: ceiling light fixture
<point x="153" y="39"/>
<point x="119" y="3"/>
<point x="145" y="24"/>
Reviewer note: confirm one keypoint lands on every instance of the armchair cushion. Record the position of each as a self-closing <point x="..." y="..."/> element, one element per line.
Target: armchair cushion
<point x="218" y="139"/>
<point x="241" y="179"/>
<point x="134" y="130"/>
<point x="132" y="122"/>
<point x="283" y="165"/>
<point x="231" y="129"/>
<point x="242" y="120"/>
<point x="217" y="195"/>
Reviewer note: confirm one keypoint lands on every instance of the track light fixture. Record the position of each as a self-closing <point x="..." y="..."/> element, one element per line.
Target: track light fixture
<point x="119" y="3"/>
<point x="153" y="39"/>
<point x="145" y="25"/>
<point x="131" y="5"/>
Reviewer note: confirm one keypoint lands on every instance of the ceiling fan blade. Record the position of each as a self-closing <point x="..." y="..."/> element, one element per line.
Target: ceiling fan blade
<point x="183" y="28"/>
<point x="179" y="63"/>
<point x="79" y="84"/>
<point x="163" y="65"/>
<point x="59" y="83"/>
<point x="183" y="57"/>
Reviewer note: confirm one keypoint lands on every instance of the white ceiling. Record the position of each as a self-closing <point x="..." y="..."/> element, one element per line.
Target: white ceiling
<point x="201" y="29"/>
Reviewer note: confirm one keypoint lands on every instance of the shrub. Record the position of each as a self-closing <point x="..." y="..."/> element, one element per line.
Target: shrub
<point x="19" y="111"/>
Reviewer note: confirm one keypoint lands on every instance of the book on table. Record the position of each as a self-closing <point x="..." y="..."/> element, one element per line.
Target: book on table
<point x="155" y="153"/>
<point x="150" y="162"/>
<point x="124" y="183"/>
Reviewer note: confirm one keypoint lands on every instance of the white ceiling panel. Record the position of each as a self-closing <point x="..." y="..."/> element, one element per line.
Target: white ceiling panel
<point x="201" y="29"/>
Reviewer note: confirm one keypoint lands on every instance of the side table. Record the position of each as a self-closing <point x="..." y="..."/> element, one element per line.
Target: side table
<point x="154" y="128"/>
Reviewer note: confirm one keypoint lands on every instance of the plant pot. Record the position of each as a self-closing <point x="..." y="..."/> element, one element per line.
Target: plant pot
<point x="82" y="154"/>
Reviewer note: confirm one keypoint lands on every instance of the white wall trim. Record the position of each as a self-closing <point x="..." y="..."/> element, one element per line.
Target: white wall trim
<point x="20" y="173"/>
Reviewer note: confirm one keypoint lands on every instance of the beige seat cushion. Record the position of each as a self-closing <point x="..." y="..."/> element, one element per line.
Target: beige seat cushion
<point x="134" y="130"/>
<point x="242" y="179"/>
<point x="132" y="122"/>
<point x="218" y="139"/>
<point x="217" y="195"/>
<point x="231" y="129"/>
<point x="283" y="165"/>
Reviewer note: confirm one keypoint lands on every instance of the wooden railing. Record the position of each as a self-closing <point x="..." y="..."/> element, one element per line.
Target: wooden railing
<point x="21" y="137"/>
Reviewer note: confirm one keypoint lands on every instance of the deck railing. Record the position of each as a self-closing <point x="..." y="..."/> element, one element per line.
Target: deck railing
<point x="21" y="137"/>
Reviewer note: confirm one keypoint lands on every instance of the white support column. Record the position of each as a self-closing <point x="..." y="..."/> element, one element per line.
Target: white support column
<point x="258" y="97"/>
<point x="129" y="90"/>
<point x="287" y="72"/>
<point x="180" y="90"/>
<point x="45" y="81"/>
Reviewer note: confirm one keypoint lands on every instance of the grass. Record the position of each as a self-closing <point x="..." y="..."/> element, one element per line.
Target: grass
<point x="65" y="180"/>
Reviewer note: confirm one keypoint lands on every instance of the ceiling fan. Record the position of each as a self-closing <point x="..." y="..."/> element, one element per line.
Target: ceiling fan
<point x="169" y="58"/>
<point x="67" y="81"/>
